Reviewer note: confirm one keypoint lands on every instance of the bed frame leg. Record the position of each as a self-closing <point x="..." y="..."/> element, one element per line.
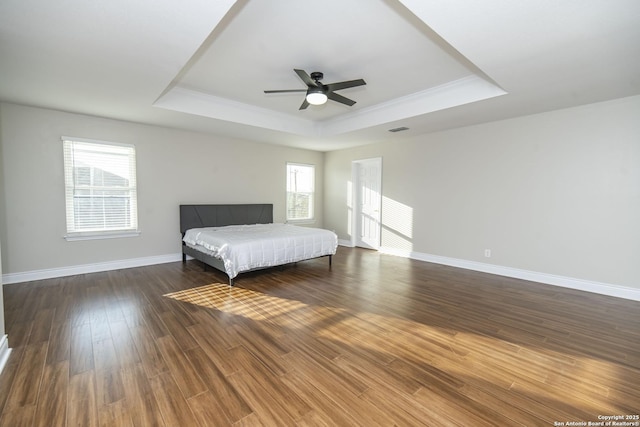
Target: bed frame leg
<point x="330" y="261"/>
<point x="184" y="257"/>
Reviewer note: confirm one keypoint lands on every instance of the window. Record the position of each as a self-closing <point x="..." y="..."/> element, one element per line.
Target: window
<point x="300" y="192"/>
<point x="100" y="189"/>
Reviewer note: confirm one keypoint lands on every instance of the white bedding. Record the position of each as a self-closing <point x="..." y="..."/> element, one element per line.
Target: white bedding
<point x="247" y="247"/>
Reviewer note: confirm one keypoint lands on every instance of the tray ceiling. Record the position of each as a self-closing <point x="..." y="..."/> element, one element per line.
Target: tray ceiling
<point x="429" y="65"/>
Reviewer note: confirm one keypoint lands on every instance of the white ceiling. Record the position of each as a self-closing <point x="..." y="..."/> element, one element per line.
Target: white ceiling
<point x="429" y="64"/>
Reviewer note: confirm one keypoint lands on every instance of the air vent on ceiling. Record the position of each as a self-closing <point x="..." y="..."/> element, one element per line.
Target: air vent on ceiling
<point x="400" y="129"/>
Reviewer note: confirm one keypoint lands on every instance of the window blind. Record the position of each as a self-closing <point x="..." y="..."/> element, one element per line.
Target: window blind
<point x="100" y="187"/>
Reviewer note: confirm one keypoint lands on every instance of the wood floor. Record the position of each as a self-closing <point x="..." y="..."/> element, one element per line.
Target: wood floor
<point x="374" y="341"/>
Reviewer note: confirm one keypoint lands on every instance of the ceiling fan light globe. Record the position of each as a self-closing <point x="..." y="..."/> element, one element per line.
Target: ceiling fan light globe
<point x="316" y="98"/>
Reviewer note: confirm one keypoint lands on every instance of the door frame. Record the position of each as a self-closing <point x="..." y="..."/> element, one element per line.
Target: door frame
<point x="356" y="210"/>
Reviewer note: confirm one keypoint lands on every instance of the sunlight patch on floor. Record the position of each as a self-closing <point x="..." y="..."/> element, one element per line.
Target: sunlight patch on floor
<point x="398" y="337"/>
<point x="252" y="304"/>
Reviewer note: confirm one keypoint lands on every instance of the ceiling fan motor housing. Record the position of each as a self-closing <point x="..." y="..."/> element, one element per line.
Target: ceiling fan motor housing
<point x="317" y="75"/>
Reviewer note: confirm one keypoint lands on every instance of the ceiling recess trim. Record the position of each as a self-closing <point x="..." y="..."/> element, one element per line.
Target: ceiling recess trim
<point x="459" y="92"/>
<point x="215" y="107"/>
<point x="462" y="91"/>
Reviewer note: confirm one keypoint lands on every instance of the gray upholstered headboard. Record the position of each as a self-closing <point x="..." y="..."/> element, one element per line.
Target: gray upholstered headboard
<point x="195" y="216"/>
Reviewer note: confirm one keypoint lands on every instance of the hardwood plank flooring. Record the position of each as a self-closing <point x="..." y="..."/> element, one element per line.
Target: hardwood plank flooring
<point x="374" y="340"/>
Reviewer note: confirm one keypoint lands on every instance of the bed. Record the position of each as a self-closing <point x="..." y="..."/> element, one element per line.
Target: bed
<point x="239" y="238"/>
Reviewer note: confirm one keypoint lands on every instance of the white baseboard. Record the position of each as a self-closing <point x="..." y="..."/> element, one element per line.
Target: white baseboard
<point x="549" y="279"/>
<point x="51" y="273"/>
<point x="4" y="352"/>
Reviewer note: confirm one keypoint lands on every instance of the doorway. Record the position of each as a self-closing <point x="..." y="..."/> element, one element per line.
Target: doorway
<point x="367" y="202"/>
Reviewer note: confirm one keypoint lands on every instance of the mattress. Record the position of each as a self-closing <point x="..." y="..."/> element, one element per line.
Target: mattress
<point x="249" y="247"/>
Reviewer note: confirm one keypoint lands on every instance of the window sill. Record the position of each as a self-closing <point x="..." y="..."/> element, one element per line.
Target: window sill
<point x="74" y="237"/>
<point x="301" y="221"/>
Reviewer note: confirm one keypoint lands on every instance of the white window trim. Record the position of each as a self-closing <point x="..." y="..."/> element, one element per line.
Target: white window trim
<point x="311" y="220"/>
<point x="72" y="236"/>
<point x="100" y="235"/>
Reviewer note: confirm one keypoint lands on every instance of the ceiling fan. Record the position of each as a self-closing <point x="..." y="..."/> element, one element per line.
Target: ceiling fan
<point x="318" y="93"/>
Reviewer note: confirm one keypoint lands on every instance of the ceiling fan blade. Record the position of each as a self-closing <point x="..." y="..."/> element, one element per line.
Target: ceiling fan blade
<point x="305" y="77"/>
<point x="304" y="105"/>
<point x="341" y="99"/>
<point x="285" y="91"/>
<point x="346" y="84"/>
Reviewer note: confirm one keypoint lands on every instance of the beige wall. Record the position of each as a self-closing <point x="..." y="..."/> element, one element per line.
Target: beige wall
<point x="556" y="193"/>
<point x="173" y="167"/>
<point x="1" y="298"/>
<point x="2" y="228"/>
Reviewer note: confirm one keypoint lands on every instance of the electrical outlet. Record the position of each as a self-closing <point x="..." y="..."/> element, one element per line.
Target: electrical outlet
<point x="487" y="253"/>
